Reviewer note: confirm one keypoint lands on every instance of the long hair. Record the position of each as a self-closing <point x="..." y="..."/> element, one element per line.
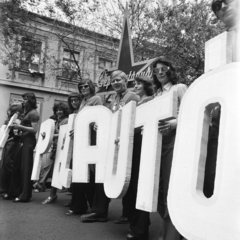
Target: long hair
<point x="14" y="108"/>
<point x="212" y="8"/>
<point x="62" y="106"/>
<point x="147" y="84"/>
<point x="89" y="83"/>
<point x="171" y="73"/>
<point x="31" y="101"/>
<point x="73" y="95"/>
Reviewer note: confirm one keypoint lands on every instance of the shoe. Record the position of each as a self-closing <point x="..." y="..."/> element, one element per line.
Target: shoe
<point x="143" y="237"/>
<point x="6" y="197"/>
<point x="37" y="190"/>
<point x="121" y="220"/>
<point x="70" y="213"/>
<point x="39" y="187"/>
<point x="93" y="217"/>
<point x="64" y="190"/>
<point x="16" y="200"/>
<point x="2" y="194"/>
<point x="50" y="200"/>
<point x="131" y="237"/>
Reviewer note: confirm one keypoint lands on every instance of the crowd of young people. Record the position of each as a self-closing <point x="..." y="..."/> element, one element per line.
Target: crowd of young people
<point x="89" y="199"/>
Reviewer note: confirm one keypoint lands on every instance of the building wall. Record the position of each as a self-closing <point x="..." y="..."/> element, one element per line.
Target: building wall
<point x="53" y="87"/>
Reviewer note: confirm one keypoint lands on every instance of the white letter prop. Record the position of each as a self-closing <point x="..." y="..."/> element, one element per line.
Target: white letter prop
<point x="119" y="163"/>
<point x="43" y="145"/>
<point x="2" y="130"/>
<point x="65" y="172"/>
<point x="194" y="215"/>
<point x="56" y="179"/>
<point x="5" y="134"/>
<point x="83" y="153"/>
<point x="148" y="115"/>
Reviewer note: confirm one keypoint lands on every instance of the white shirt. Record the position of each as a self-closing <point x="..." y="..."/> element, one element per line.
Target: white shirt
<point x="180" y="89"/>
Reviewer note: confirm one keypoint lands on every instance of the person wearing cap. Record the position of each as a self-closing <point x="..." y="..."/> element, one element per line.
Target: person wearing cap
<point x="74" y="101"/>
<point x="166" y="81"/>
<point x="123" y="96"/>
<point x="139" y="220"/>
<point x="83" y="193"/>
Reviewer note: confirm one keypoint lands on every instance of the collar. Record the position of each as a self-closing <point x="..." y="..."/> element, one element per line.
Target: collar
<point x="167" y="86"/>
<point x="87" y="98"/>
<point x="122" y="94"/>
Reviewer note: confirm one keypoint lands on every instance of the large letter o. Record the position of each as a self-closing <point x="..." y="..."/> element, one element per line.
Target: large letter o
<point x="194" y="215"/>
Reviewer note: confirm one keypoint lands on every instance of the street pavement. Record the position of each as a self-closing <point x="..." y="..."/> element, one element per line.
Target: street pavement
<point x="34" y="221"/>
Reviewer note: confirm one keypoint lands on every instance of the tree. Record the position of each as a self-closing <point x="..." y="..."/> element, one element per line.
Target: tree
<point x="13" y="21"/>
<point x="19" y="24"/>
<point x="182" y="30"/>
<point x="177" y="31"/>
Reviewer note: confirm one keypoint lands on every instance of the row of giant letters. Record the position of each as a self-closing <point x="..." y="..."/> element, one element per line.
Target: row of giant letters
<point x="194" y="215"/>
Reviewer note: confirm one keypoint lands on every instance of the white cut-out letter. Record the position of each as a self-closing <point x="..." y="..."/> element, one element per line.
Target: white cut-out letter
<point x="148" y="115"/>
<point x="194" y="215"/>
<point x="83" y="153"/>
<point x="65" y="172"/>
<point x="5" y="134"/>
<point x="119" y="161"/>
<point x="2" y="130"/>
<point x="43" y="145"/>
<point x="56" y="179"/>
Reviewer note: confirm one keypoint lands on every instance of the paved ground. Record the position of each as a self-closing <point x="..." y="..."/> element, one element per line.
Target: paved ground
<point x="34" y="221"/>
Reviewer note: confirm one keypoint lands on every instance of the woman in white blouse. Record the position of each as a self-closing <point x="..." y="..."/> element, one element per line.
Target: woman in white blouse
<point x="165" y="80"/>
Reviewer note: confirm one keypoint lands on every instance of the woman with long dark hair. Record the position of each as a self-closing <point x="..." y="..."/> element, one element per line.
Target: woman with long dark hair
<point x="83" y="193"/>
<point x="166" y="81"/>
<point x="62" y="112"/>
<point x="22" y="169"/>
<point x="9" y="151"/>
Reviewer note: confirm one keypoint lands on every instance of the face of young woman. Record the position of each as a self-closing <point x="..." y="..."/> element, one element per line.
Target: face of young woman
<point x="59" y="113"/>
<point x="26" y="104"/>
<point x="84" y="89"/>
<point x="24" y="101"/>
<point x="139" y="88"/>
<point x="75" y="102"/>
<point x="162" y="75"/>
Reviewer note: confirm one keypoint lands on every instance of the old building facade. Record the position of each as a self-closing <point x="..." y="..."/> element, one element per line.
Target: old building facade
<point x="47" y="63"/>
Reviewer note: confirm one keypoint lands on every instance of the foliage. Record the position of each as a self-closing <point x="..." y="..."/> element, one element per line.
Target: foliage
<point x="182" y="30"/>
<point x="13" y="19"/>
<point x="19" y="21"/>
<point x="177" y="31"/>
